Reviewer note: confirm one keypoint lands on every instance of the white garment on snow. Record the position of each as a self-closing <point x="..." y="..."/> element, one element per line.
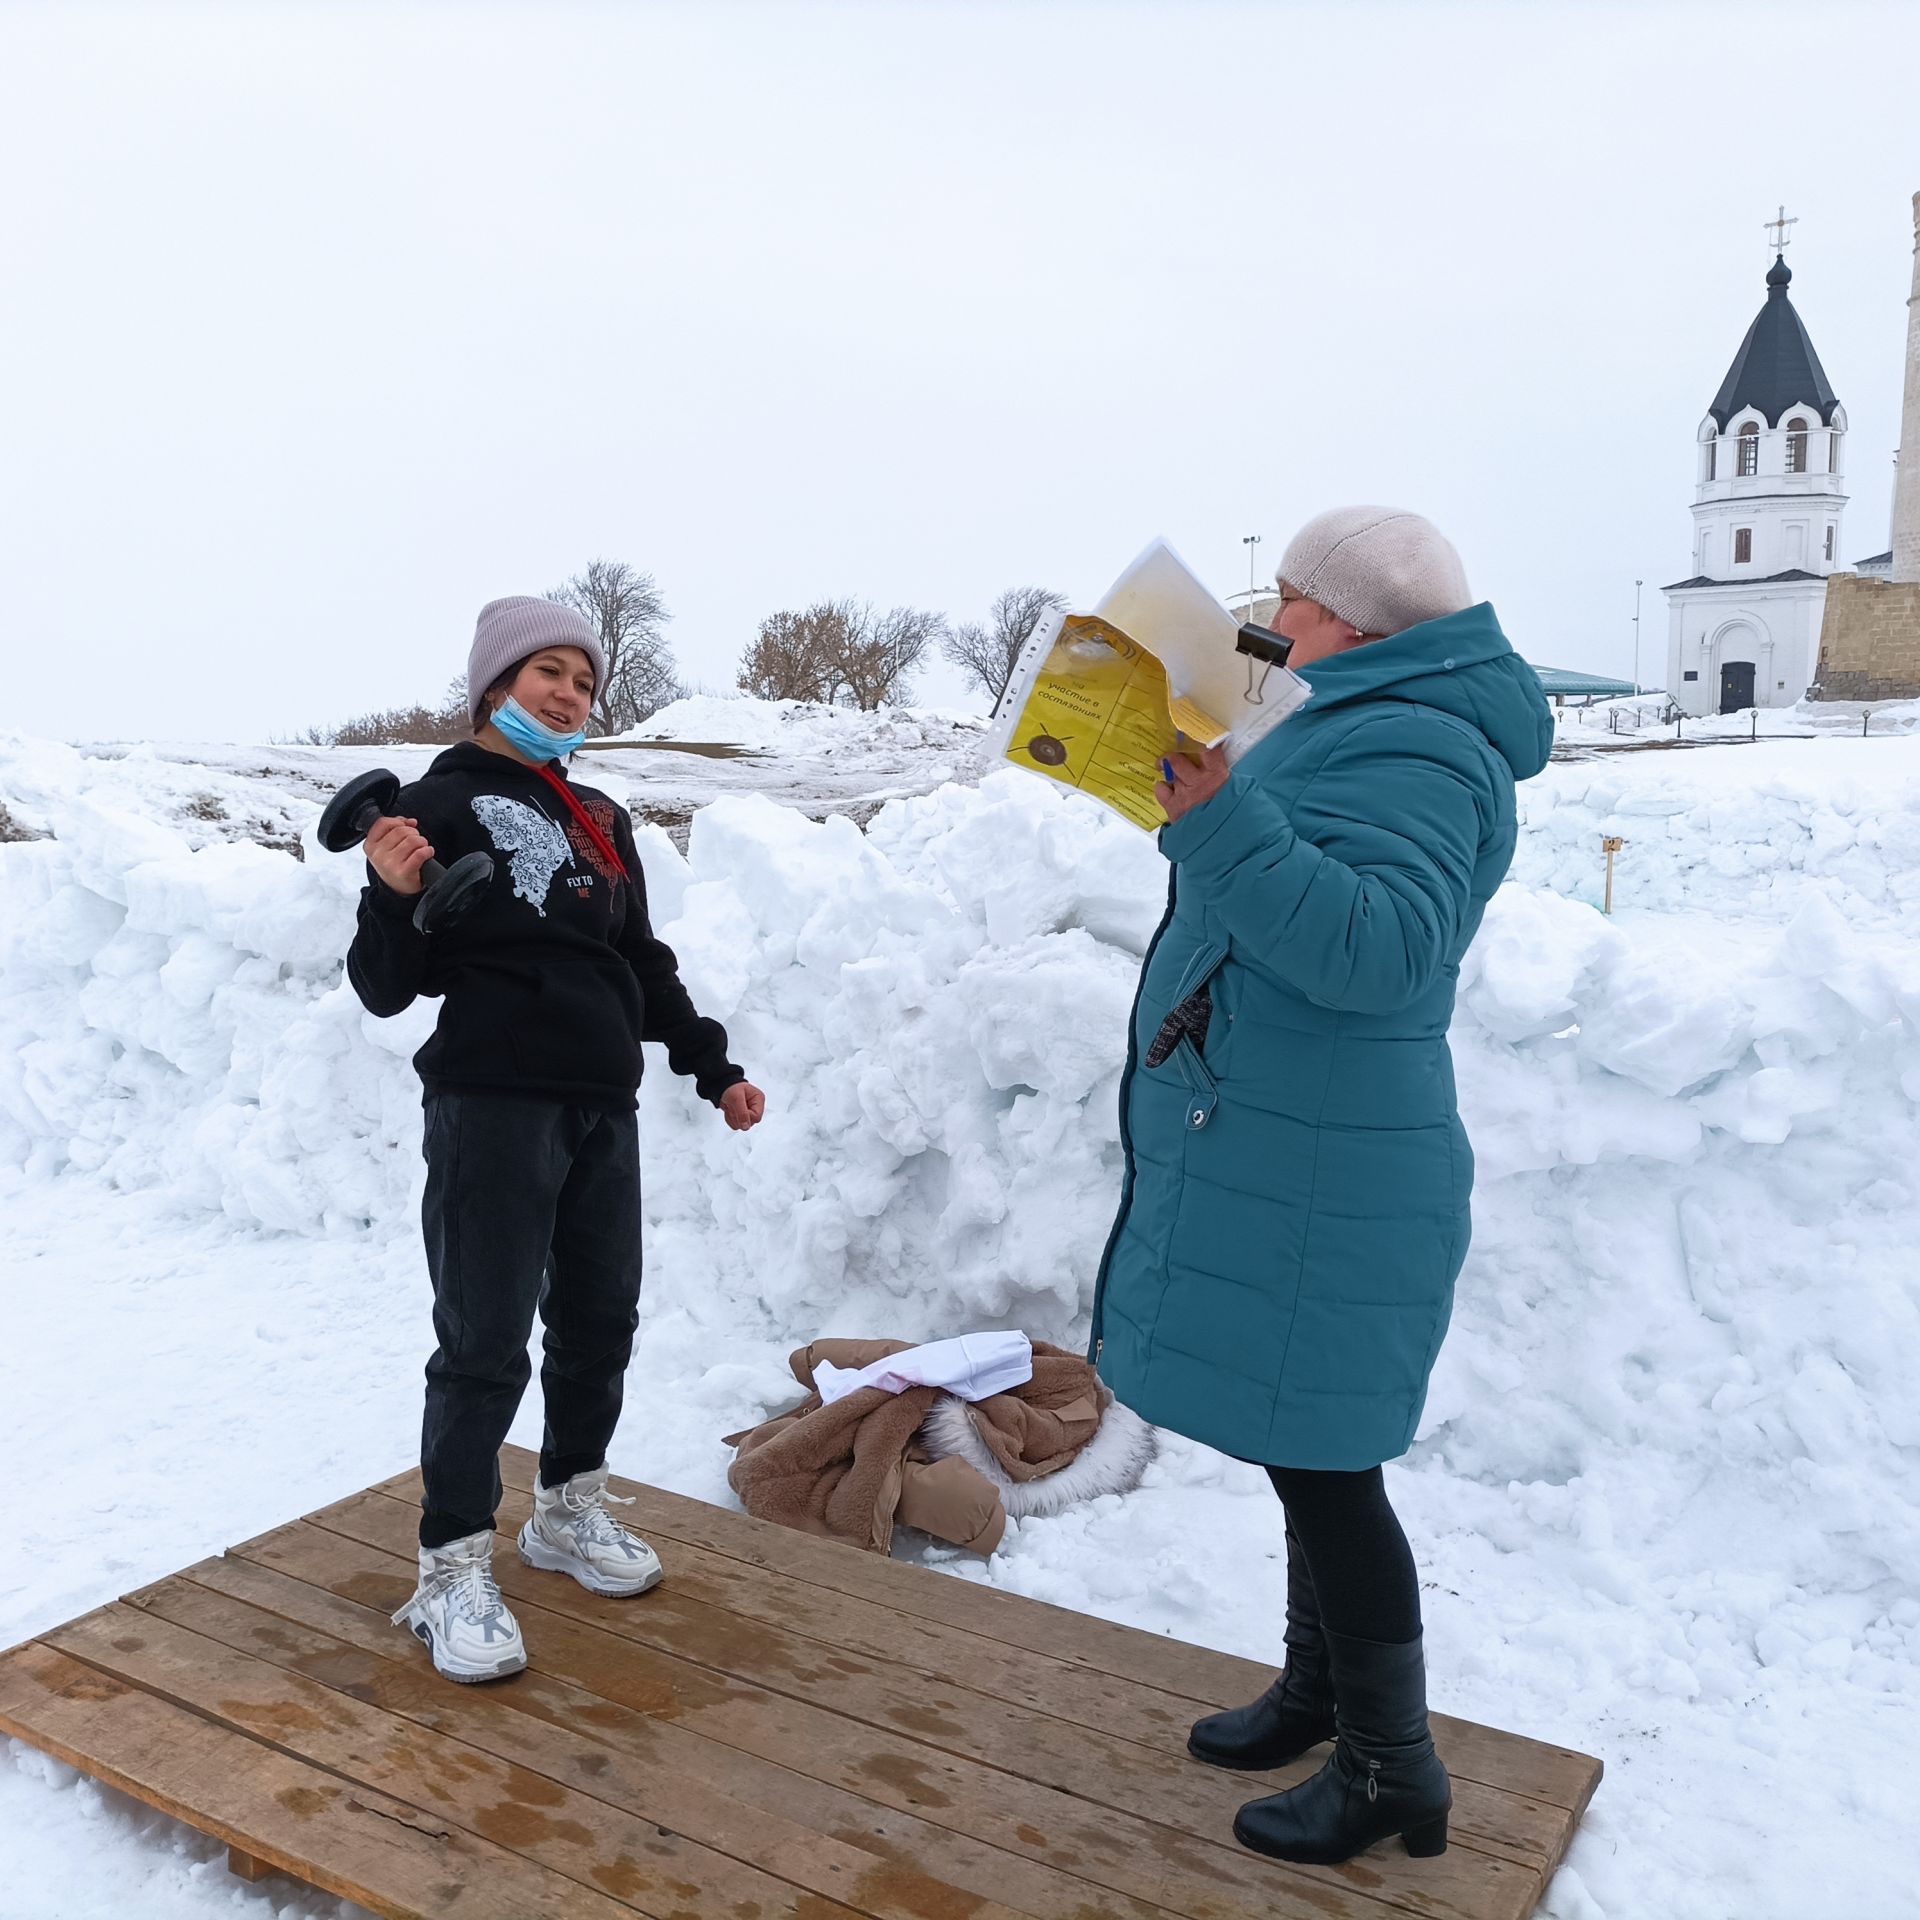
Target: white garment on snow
<point x="973" y="1366"/>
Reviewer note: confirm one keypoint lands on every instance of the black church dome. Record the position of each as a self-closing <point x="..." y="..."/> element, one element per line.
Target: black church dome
<point x="1776" y="368"/>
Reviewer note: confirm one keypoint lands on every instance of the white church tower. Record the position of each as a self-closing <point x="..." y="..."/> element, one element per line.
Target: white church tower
<point x="1744" y="628"/>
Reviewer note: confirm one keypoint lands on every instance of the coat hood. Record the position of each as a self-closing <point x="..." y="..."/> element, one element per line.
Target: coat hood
<point x="1461" y="664"/>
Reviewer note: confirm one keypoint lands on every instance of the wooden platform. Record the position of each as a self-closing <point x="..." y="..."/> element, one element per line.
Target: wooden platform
<point x="785" y="1728"/>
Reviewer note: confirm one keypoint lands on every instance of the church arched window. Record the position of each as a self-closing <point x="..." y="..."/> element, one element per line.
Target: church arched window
<point x="1742" y="545"/>
<point x="1710" y="447"/>
<point x="1749" y="450"/>
<point x="1833" y="449"/>
<point x="1796" y="445"/>
<point x="1829" y="543"/>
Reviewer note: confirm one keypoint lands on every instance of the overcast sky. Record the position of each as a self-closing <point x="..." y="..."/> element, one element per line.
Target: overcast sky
<point x="323" y="325"/>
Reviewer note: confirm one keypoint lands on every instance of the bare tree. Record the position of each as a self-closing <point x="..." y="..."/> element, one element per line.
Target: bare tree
<point x="987" y="654"/>
<point x="625" y="608"/>
<point x="839" y="650"/>
<point x="418" y="725"/>
<point x="885" y="652"/>
<point x="797" y="656"/>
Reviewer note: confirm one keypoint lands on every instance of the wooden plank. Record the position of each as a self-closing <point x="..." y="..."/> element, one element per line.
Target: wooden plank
<point x="888" y="1770"/>
<point x="648" y="1867"/>
<point x="788" y="1728"/>
<point x="1080" y="1640"/>
<point x="1111" y="1704"/>
<point x="1141" y="1856"/>
<point x="652" y="1790"/>
<point x="959" y="1719"/>
<point x="382" y="1853"/>
<point x="1130" y="1709"/>
<point x="1027" y="1884"/>
<point x="1515" y="1762"/>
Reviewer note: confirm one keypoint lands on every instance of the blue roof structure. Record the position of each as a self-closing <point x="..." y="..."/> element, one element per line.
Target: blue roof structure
<point x="1565" y="680"/>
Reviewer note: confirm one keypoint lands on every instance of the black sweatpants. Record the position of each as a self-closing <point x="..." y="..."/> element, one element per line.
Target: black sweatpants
<point x="1362" y="1568"/>
<point x="531" y="1206"/>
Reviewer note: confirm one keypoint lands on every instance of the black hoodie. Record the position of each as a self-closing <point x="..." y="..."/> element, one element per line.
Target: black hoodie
<point x="552" y="981"/>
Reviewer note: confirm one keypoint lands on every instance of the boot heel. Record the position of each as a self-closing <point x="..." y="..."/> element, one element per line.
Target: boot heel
<point x="1428" y="1839"/>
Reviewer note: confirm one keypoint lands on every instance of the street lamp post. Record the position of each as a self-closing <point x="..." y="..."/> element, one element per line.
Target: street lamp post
<point x="1250" y="541"/>
<point x="1636" y="636"/>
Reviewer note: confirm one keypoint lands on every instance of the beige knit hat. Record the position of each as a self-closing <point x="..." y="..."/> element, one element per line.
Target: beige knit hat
<point x="1378" y="568"/>
<point x="514" y="629"/>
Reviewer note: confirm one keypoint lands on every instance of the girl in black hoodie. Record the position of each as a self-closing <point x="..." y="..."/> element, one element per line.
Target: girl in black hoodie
<point x="547" y="989"/>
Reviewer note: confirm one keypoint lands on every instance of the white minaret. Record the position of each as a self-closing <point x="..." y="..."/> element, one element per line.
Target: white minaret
<point x="1906" y="480"/>
<point x="1769" y="495"/>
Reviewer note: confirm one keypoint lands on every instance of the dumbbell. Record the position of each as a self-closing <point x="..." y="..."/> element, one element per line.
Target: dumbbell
<point x="447" y="892"/>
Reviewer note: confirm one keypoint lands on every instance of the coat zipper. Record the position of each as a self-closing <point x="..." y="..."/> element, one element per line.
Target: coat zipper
<point x="1126" y="1132"/>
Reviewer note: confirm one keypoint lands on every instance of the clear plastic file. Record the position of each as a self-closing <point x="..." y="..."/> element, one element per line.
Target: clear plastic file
<point x="1097" y="700"/>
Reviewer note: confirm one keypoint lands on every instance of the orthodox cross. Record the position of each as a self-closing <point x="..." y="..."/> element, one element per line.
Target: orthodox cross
<point x="1777" y="229"/>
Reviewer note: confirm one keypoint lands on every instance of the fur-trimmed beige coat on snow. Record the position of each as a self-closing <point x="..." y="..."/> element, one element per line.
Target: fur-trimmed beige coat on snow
<point x="926" y="1459"/>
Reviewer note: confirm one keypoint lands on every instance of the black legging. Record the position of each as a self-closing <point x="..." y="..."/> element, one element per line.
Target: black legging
<point x="1362" y="1567"/>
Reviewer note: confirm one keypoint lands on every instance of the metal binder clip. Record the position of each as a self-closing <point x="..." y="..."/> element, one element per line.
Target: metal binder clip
<point x="1265" y="650"/>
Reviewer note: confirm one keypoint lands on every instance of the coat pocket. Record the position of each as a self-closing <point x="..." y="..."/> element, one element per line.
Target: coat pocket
<point x="1190" y="1031"/>
<point x="1189" y="1015"/>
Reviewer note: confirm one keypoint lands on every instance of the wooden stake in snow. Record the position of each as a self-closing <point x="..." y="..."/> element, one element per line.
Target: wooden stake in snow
<point x="1610" y="845"/>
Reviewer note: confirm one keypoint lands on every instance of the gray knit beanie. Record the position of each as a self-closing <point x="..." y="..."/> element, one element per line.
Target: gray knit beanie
<point x="509" y="630"/>
<point x="1377" y="568"/>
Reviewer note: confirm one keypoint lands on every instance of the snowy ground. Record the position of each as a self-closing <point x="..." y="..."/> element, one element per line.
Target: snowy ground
<point x="1639" y="721"/>
<point x="819" y="760"/>
<point x="1667" y="1494"/>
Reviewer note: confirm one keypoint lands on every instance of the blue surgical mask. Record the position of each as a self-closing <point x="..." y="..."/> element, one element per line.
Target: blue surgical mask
<point x="537" y="742"/>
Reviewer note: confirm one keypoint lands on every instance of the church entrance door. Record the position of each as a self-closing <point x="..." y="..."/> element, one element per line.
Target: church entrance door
<point x="1736" y="686"/>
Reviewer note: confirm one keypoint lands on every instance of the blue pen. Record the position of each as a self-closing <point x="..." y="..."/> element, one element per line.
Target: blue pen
<point x="1166" y="767"/>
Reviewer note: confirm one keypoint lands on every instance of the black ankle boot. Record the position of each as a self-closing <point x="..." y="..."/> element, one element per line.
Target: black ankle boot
<point x="1384" y="1777"/>
<point x="1296" y="1712"/>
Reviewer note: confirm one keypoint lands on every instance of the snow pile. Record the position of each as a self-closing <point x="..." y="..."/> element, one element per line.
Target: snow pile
<point x="1665" y="1492"/>
<point x="805" y="727"/>
<point x="1695" y="1225"/>
<point x="1753" y="832"/>
<point x="173" y="1009"/>
<point x="201" y="803"/>
<point x="937" y="1009"/>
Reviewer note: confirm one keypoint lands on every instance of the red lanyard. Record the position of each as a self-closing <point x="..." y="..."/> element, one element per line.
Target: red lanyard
<point x="579" y="812"/>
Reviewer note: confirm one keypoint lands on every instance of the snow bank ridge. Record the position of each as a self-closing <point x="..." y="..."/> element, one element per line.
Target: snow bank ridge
<point x="937" y="1006"/>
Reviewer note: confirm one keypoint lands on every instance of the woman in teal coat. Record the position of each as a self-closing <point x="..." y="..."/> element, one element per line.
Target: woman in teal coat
<point x="1295" y="1209"/>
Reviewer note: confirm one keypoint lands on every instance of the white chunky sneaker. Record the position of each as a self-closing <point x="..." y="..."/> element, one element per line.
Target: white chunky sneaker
<point x="572" y="1532"/>
<point x="458" y="1612"/>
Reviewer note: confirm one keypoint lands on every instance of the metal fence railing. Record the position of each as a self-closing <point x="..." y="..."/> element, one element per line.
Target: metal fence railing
<point x="1633" y="718"/>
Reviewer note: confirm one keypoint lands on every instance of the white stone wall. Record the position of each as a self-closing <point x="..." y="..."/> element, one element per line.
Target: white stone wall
<point x="1776" y="629"/>
<point x="1788" y="514"/>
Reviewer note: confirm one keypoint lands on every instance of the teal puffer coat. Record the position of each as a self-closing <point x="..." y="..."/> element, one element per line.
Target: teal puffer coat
<point x="1295" y="1206"/>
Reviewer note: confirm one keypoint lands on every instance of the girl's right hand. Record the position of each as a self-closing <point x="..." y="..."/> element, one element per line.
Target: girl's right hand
<point x="396" y="850"/>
